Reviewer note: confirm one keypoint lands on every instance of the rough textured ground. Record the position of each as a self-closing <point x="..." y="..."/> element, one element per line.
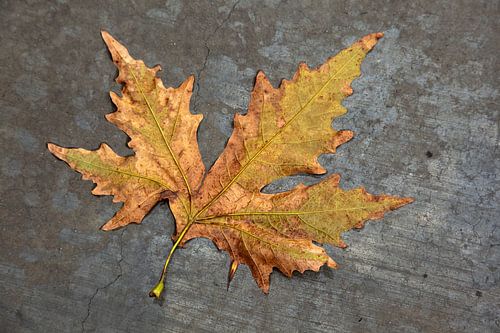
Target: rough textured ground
<point x="426" y="116"/>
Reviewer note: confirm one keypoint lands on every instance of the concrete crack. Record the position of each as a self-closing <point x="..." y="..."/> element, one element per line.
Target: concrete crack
<point x="198" y="79"/>
<point x="89" y="304"/>
<point x="207" y="55"/>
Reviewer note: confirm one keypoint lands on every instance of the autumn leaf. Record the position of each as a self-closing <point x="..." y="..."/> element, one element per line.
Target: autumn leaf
<point x="283" y="133"/>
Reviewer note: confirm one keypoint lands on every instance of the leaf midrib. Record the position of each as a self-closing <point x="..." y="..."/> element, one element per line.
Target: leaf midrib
<point x="130" y="174"/>
<point x="283" y="213"/>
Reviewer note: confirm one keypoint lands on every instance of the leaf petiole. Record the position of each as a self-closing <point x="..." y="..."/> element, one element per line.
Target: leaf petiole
<point x="158" y="288"/>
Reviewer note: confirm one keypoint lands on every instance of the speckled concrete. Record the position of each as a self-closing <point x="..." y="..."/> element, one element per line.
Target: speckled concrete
<point x="426" y="118"/>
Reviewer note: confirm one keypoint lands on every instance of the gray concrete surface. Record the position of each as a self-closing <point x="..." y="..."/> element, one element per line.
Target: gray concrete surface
<point x="426" y="117"/>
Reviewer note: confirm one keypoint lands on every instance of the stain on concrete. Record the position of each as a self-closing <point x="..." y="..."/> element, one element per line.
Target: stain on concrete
<point x="166" y="14"/>
<point x="30" y="88"/>
<point x="65" y="201"/>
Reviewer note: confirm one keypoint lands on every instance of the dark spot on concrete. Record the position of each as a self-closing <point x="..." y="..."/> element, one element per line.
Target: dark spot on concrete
<point x="428" y="154"/>
<point x="360" y="319"/>
<point x="425" y="275"/>
<point x="479" y="293"/>
<point x="19" y="314"/>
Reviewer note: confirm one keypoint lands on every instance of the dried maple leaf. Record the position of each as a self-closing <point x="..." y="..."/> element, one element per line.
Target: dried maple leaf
<point x="284" y="132"/>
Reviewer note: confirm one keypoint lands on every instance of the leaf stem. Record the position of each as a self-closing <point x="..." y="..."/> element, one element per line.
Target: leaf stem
<point x="158" y="288"/>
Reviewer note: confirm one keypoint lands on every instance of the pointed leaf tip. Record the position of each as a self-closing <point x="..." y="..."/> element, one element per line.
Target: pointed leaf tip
<point x="50" y="146"/>
<point x="261" y="76"/>
<point x="232" y="270"/>
<point x="108" y="226"/>
<point x="189" y="83"/>
<point x="117" y="50"/>
<point x="330" y="263"/>
<point x="55" y="150"/>
<point x="369" y="41"/>
<point x="106" y="36"/>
